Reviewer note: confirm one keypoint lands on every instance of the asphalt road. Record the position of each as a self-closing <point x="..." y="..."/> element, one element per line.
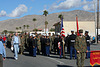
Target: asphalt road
<point x="43" y="61"/>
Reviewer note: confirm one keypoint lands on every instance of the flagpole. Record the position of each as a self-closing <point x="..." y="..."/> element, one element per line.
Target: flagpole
<point x="77" y="25"/>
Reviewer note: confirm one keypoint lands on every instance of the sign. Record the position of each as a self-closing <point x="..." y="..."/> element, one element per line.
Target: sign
<point x="95" y="58"/>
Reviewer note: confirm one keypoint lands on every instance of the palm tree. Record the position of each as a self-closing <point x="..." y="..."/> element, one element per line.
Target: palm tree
<point x="17" y="28"/>
<point x="27" y="26"/>
<point x="24" y="26"/>
<point x="5" y="31"/>
<point x="60" y="16"/>
<point x="20" y="28"/>
<point x="34" y="19"/>
<point x="46" y="23"/>
<point x="45" y="13"/>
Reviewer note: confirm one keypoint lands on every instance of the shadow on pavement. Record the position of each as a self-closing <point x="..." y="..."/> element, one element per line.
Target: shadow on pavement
<point x="63" y="66"/>
<point x="10" y="57"/>
<point x="93" y="66"/>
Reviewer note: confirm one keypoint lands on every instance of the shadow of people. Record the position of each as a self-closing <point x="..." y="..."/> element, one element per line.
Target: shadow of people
<point x="9" y="57"/>
<point x="63" y="66"/>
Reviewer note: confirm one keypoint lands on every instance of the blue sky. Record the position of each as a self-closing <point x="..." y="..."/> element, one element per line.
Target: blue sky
<point x="11" y="9"/>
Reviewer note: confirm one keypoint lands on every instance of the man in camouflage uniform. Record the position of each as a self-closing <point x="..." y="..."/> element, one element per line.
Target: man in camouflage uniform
<point x="38" y="44"/>
<point x="22" y="44"/>
<point x="81" y="48"/>
<point x="50" y="41"/>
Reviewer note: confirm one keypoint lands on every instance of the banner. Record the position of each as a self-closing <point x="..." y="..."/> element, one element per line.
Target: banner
<point x="95" y="58"/>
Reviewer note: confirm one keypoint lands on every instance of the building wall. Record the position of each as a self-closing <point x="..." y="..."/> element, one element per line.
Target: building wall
<point x="85" y="25"/>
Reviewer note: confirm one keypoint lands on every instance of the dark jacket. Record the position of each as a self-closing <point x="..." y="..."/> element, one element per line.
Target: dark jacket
<point x="72" y="38"/>
<point x="47" y="42"/>
<point x="35" y="42"/>
<point x="87" y="40"/>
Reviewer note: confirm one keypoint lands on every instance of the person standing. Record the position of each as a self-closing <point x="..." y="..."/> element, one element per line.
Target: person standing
<point x="2" y="53"/>
<point x="88" y="44"/>
<point x="72" y="38"/>
<point x="47" y="47"/>
<point x="34" y="45"/>
<point x="81" y="48"/>
<point x="31" y="45"/>
<point x="22" y="44"/>
<point x="16" y="43"/>
<point x="38" y="44"/>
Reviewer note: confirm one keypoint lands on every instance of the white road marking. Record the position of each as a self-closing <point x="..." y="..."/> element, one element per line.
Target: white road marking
<point x="55" y="60"/>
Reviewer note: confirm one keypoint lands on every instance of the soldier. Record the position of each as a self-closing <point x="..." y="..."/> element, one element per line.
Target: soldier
<point x="56" y="40"/>
<point x="26" y="40"/>
<point x="88" y="43"/>
<point x="9" y="39"/>
<point x="81" y="48"/>
<point x="22" y="44"/>
<point x="72" y="38"/>
<point x="67" y="43"/>
<point x="47" y="42"/>
<point x="38" y="44"/>
<point x="34" y="45"/>
<point x="53" y="37"/>
<point x="31" y="45"/>
<point x="61" y="48"/>
<point x="50" y="41"/>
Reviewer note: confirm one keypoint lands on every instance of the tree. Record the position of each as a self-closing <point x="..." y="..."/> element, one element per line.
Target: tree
<point x="17" y="28"/>
<point x="24" y="26"/>
<point x="46" y="23"/>
<point x="34" y="19"/>
<point x="5" y="31"/>
<point x="20" y="28"/>
<point x="35" y="29"/>
<point x="45" y="13"/>
<point x="52" y="29"/>
<point x="60" y="16"/>
<point x="27" y="26"/>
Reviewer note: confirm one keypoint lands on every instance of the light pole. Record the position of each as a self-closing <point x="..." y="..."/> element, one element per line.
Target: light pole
<point x="97" y="18"/>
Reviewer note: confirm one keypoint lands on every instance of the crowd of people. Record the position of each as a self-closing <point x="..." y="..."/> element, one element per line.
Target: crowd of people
<point x="46" y="44"/>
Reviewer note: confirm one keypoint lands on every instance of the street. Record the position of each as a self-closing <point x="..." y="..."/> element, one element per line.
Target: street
<point x="43" y="61"/>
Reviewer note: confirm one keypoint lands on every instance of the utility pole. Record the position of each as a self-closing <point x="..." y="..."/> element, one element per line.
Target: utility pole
<point x="97" y="18"/>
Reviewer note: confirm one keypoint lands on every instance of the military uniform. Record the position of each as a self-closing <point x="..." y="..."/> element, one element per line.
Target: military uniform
<point x="31" y="46"/>
<point x="39" y="45"/>
<point x="80" y="45"/>
<point x="72" y="38"/>
<point x="34" y="46"/>
<point x="9" y="39"/>
<point x="88" y="44"/>
<point x="47" y="46"/>
<point x="22" y="44"/>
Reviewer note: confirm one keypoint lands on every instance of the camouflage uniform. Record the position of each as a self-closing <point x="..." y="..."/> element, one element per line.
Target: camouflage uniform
<point x="39" y="45"/>
<point x="80" y="45"/>
<point x="22" y="44"/>
<point x="50" y="42"/>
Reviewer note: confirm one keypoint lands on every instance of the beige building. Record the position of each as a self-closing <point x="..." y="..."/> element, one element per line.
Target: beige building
<point x="71" y="25"/>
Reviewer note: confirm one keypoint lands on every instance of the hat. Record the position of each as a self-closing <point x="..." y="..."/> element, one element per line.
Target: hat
<point x="72" y="30"/>
<point x="47" y="35"/>
<point x="86" y="31"/>
<point x="58" y="33"/>
<point x="81" y="31"/>
<point x="34" y="35"/>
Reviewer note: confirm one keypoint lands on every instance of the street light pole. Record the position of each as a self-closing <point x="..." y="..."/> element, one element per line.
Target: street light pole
<point x="97" y="18"/>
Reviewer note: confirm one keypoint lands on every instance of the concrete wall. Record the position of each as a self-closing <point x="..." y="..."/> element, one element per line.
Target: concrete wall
<point x="85" y="25"/>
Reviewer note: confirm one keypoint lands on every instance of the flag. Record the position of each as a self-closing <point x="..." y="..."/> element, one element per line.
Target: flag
<point x="95" y="57"/>
<point x="62" y="28"/>
<point x="77" y="25"/>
